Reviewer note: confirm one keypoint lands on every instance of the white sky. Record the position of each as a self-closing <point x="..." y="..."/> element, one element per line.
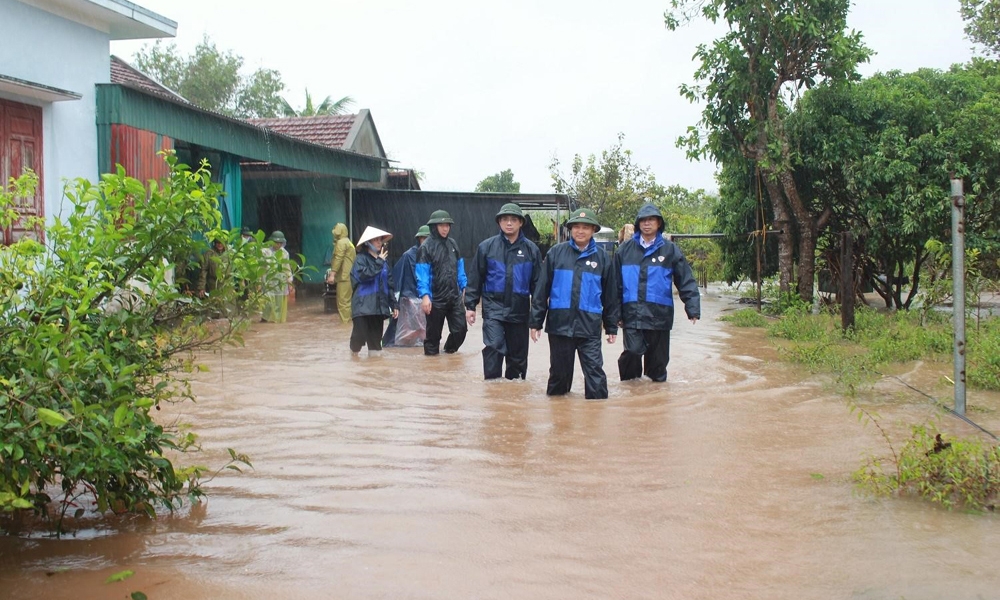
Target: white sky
<point x="461" y="89"/>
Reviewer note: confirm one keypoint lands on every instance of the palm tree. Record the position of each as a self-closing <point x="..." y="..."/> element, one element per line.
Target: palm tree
<point x="326" y="107"/>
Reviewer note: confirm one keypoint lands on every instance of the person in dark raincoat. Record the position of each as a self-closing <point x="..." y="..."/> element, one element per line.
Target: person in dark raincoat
<point x="577" y="291"/>
<point x="374" y="298"/>
<point x="413" y="319"/>
<point x="648" y="267"/>
<point x="504" y="275"/>
<point x="441" y="282"/>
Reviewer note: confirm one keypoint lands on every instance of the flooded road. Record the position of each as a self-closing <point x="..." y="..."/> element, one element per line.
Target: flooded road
<point x="404" y="476"/>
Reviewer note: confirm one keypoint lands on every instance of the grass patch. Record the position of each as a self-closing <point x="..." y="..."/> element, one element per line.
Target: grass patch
<point x="746" y="317"/>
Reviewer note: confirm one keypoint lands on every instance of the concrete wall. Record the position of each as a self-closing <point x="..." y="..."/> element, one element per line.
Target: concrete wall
<point x="40" y="47"/>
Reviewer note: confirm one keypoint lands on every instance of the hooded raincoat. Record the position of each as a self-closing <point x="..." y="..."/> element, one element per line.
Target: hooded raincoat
<point x="343" y="261"/>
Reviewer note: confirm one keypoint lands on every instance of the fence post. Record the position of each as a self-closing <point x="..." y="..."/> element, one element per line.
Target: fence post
<point x="847" y="280"/>
<point x="958" y="293"/>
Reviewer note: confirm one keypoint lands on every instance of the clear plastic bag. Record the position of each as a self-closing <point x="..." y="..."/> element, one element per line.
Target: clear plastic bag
<point x="411" y="324"/>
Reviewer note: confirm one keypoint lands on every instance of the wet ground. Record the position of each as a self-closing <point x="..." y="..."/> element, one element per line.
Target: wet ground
<point x="400" y="476"/>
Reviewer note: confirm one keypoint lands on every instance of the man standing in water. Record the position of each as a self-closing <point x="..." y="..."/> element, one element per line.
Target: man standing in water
<point x="648" y="266"/>
<point x="577" y="290"/>
<point x="343" y="261"/>
<point x="441" y="282"/>
<point x="504" y="274"/>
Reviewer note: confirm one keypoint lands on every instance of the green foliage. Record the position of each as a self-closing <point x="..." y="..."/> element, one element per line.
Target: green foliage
<point x="95" y="338"/>
<point x="327" y="107"/>
<point x="613" y="186"/>
<point x="983" y="356"/>
<point x="982" y="22"/>
<point x="746" y="317"/>
<point x="502" y="182"/>
<point x="954" y="473"/>
<point x="747" y="77"/>
<point x="211" y="79"/>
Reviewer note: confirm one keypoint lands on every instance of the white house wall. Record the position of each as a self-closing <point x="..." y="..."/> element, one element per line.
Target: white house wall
<point x="46" y="49"/>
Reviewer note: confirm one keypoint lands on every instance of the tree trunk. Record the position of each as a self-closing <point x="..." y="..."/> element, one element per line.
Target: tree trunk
<point x="782" y="223"/>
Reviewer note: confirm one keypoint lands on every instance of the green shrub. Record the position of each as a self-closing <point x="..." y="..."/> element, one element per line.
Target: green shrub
<point x="954" y="473"/>
<point x="746" y="317"/>
<point x="95" y="338"/>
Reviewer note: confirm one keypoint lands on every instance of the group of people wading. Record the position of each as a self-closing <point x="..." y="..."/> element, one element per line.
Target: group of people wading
<point x="574" y="292"/>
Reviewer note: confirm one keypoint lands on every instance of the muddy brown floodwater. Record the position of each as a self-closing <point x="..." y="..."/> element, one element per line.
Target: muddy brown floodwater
<point x="400" y="476"/>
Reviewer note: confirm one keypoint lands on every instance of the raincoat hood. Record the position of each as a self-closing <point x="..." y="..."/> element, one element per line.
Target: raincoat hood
<point x="649" y="210"/>
<point x="339" y="232"/>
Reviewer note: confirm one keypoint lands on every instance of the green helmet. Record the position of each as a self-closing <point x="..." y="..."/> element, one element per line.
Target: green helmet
<point x="440" y="216"/>
<point x="277" y="236"/>
<point x="511" y="209"/>
<point x="423" y="231"/>
<point x="583" y="215"/>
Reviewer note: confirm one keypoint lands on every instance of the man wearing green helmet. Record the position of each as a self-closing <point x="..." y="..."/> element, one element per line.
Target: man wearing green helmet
<point x="409" y="328"/>
<point x="504" y="274"/>
<point x="577" y="291"/>
<point x="441" y="283"/>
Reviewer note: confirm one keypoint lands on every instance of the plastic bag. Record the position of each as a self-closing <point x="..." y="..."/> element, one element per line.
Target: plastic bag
<point x="411" y="324"/>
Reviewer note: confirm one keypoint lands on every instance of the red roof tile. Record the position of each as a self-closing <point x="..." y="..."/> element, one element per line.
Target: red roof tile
<point x="326" y="130"/>
<point x="124" y="73"/>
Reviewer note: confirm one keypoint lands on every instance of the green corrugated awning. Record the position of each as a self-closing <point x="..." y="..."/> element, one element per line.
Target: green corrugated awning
<point x="125" y="105"/>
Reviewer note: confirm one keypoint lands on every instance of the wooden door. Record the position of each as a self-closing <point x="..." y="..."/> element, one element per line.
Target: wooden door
<point x="21" y="149"/>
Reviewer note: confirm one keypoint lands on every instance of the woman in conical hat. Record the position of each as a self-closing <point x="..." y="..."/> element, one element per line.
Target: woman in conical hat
<point x="374" y="298"/>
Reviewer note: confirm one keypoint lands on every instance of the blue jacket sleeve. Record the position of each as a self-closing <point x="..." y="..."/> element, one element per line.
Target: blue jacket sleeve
<point x="463" y="279"/>
<point x="422" y="271"/>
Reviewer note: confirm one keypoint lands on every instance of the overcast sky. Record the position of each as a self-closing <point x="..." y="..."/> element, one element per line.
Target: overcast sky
<point x="463" y="89"/>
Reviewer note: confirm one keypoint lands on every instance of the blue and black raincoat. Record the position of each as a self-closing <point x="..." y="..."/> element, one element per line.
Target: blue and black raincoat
<point x="440" y="270"/>
<point x="646" y="277"/>
<point x="577" y="291"/>
<point x="511" y="273"/>
<point x="374" y="294"/>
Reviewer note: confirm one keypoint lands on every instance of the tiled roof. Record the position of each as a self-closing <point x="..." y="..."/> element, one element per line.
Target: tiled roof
<point x="326" y="130"/>
<point x="124" y="73"/>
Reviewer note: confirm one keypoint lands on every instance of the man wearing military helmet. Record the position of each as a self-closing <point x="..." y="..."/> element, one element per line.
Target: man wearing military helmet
<point x="441" y="282"/>
<point x="503" y="276"/>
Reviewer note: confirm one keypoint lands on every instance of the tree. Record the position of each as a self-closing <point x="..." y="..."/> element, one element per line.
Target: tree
<point x="211" y="79"/>
<point x="879" y="155"/>
<point x="503" y="182"/>
<point x="326" y="107"/>
<point x="772" y="51"/>
<point x="614" y="186"/>
<point x="95" y="338"/>
<point x="982" y="23"/>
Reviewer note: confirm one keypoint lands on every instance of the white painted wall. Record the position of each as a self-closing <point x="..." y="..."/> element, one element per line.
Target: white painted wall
<point x="43" y="48"/>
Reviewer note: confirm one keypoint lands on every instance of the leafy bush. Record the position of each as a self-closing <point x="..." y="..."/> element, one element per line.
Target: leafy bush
<point x="95" y="338"/>
<point x="953" y="473"/>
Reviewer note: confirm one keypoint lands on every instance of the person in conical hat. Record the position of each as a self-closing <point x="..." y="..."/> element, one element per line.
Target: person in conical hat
<point x="374" y="298"/>
<point x="340" y="267"/>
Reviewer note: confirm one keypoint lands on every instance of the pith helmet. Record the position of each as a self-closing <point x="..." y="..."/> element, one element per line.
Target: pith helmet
<point x="583" y="215"/>
<point x="511" y="209"/>
<point x="440" y="216"/>
<point x="371" y="233"/>
<point x="277" y="236"/>
<point x="650" y="210"/>
<point x="423" y="231"/>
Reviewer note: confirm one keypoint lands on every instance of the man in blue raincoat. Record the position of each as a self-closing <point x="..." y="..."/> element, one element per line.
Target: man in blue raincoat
<point x="503" y="275"/>
<point x="441" y="282"/>
<point x="648" y="267"/>
<point x="577" y="292"/>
